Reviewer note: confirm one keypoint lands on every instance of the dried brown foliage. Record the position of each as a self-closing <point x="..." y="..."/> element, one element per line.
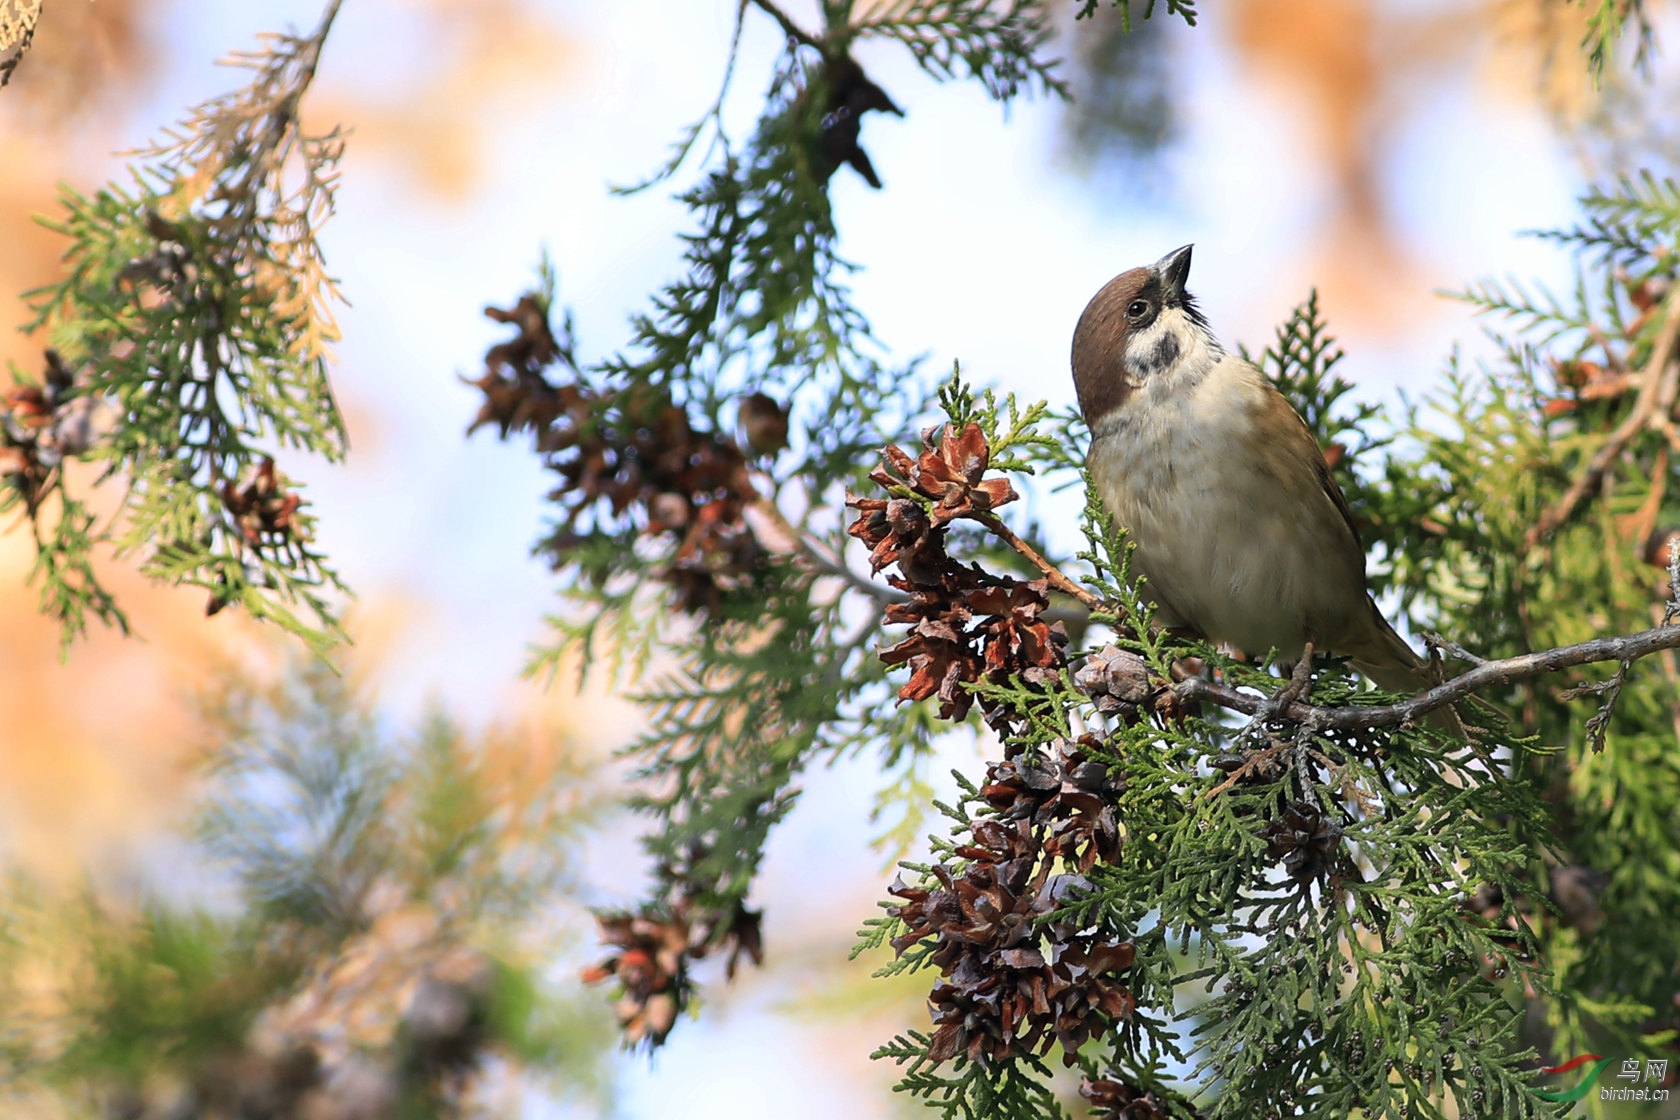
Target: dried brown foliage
<point x="1582" y="381"/>
<point x="261" y="185"/>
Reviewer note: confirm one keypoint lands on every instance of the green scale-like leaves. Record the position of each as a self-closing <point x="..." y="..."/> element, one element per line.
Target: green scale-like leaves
<point x="194" y="305"/>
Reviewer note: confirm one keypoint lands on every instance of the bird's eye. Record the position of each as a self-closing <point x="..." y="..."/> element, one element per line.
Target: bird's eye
<point x="1137" y="309"/>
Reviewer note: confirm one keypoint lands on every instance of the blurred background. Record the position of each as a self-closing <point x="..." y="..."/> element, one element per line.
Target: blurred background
<point x="1379" y="150"/>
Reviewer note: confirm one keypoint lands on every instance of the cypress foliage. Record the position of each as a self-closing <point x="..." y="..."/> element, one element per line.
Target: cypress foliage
<point x="1319" y="910"/>
<point x="190" y="334"/>
<point x="1205" y="890"/>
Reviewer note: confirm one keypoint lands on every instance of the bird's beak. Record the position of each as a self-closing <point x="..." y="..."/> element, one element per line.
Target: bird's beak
<point x="1174" y="270"/>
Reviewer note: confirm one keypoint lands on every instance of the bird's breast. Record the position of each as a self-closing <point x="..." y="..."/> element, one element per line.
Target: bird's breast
<point x="1234" y="540"/>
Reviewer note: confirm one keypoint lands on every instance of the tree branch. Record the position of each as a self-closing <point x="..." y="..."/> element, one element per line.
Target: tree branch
<point x="1051" y="573"/>
<point x="1486" y="674"/>
<point x="319" y="39"/>
<point x="791" y="29"/>
<point x="818" y="557"/>
<point x="1656" y="396"/>
<point x="1628" y="648"/>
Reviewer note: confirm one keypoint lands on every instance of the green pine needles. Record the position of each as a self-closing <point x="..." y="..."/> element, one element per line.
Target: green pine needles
<point x="384" y="910"/>
<point x="1184" y="9"/>
<point x="703" y="470"/>
<point x="1556" y="520"/>
<point x="1184" y="887"/>
<point x="1383" y="922"/>
<point x="1607" y="22"/>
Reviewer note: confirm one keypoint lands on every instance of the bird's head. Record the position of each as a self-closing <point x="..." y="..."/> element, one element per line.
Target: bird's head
<point x="1141" y="331"/>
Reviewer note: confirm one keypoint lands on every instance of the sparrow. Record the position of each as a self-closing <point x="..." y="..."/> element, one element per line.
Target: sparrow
<point x="1240" y="531"/>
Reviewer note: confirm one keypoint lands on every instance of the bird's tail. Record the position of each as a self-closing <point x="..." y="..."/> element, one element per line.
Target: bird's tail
<point x="1391" y="664"/>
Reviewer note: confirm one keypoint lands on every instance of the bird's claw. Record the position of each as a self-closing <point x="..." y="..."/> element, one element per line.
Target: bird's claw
<point x="1300" y="679"/>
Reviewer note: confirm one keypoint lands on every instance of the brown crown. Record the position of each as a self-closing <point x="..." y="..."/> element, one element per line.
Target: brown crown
<point x="1099" y="344"/>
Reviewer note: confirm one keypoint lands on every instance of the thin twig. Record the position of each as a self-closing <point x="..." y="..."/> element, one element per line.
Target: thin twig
<point x="806" y="546"/>
<point x="1611" y="690"/>
<point x="1352" y="790"/>
<point x="1300" y="679"/>
<point x="1669" y="611"/>
<point x="1452" y="649"/>
<point x="1052" y="573"/>
<point x="1656" y="395"/>
<point x="1630" y="647"/>
<point x="1255" y="762"/>
<point x="1671" y="669"/>
<point x="317" y="40"/>
<point x="1304" y="735"/>
<point x="791" y="29"/>
<point x="822" y="560"/>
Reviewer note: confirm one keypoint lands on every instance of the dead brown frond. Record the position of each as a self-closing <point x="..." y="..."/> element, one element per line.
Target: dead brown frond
<point x="17" y="33"/>
<point x="244" y="165"/>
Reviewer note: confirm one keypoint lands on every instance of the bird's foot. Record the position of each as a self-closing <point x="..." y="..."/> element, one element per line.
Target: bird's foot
<point x="1300" y="679"/>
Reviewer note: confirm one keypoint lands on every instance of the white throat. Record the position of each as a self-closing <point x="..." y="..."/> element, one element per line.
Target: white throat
<point x="1163" y="363"/>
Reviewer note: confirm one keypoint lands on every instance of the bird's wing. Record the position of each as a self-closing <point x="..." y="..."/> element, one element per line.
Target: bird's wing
<point x="1383" y="656"/>
<point x="1385" y="647"/>
<point x="1308" y="450"/>
<point x="1327" y="483"/>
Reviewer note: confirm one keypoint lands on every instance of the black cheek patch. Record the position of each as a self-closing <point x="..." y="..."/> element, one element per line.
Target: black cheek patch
<point x="1159" y="357"/>
<point x="1165" y="353"/>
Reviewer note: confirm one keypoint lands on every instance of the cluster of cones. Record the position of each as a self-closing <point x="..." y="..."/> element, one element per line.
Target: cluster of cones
<point x="967" y="626"/>
<point x="630" y="457"/>
<point x="651" y="951"/>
